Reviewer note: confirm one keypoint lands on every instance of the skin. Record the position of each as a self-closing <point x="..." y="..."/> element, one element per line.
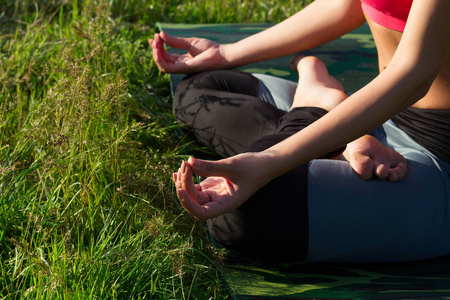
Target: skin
<point x="414" y="71"/>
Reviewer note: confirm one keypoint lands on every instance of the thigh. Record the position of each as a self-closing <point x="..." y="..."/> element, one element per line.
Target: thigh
<point x="221" y="110"/>
<point x="352" y="220"/>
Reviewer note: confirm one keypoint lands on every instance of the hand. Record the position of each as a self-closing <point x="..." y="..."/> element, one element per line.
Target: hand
<point x="202" y="54"/>
<point x="232" y="182"/>
<point x="368" y="158"/>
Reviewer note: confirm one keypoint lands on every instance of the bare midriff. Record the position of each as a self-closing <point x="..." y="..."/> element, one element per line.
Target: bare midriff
<point x="387" y="41"/>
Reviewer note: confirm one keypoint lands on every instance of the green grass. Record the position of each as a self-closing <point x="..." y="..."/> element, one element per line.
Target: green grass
<point x="87" y="148"/>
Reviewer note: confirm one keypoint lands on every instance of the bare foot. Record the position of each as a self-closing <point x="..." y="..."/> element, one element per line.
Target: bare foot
<point x="368" y="158"/>
<point x="316" y="87"/>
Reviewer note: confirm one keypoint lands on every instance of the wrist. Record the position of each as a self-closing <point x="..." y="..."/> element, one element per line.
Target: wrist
<point x="272" y="163"/>
<point x="256" y="165"/>
<point x="230" y="56"/>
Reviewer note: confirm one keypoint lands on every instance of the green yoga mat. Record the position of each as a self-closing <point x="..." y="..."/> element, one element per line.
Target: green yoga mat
<point x="352" y="60"/>
<point x="428" y="279"/>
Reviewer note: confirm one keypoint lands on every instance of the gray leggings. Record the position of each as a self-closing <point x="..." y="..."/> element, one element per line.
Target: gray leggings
<point x="352" y="220"/>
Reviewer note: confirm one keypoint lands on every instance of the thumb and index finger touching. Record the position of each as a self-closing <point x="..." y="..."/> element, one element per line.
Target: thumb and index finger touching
<point x="210" y="168"/>
<point x="197" y="204"/>
<point x="175" y="42"/>
<point x="172" y="63"/>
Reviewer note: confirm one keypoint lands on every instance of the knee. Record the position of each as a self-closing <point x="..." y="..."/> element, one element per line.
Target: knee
<point x="189" y="94"/>
<point x="229" y="230"/>
<point x="237" y="232"/>
<point x="207" y="83"/>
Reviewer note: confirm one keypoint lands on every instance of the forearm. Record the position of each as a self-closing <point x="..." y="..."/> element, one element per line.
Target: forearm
<point x="359" y="114"/>
<point x="319" y="23"/>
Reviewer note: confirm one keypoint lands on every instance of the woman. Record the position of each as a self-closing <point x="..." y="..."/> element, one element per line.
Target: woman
<point x="336" y="216"/>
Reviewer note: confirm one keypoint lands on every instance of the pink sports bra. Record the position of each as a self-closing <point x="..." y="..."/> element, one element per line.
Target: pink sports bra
<point x="388" y="13"/>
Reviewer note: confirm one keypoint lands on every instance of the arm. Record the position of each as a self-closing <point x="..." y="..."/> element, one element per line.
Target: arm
<point x="320" y="22"/>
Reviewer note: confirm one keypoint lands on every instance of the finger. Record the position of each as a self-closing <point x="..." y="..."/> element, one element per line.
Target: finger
<point x="157" y="58"/>
<point x="159" y="44"/>
<point x="186" y="180"/>
<point x="186" y="63"/>
<point x="160" y="55"/>
<point x="171" y="63"/>
<point x="166" y="64"/>
<point x="200" y="211"/>
<point x="179" y="174"/>
<point x="197" y="61"/>
<point x="166" y="56"/>
<point x="176" y="42"/>
<point x="192" y="207"/>
<point x="152" y="42"/>
<point x="162" y="49"/>
<point x="210" y="168"/>
<point x="176" y="177"/>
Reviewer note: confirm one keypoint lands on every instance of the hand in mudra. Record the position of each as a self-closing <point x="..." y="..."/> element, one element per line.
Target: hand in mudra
<point x="232" y="181"/>
<point x="202" y="54"/>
